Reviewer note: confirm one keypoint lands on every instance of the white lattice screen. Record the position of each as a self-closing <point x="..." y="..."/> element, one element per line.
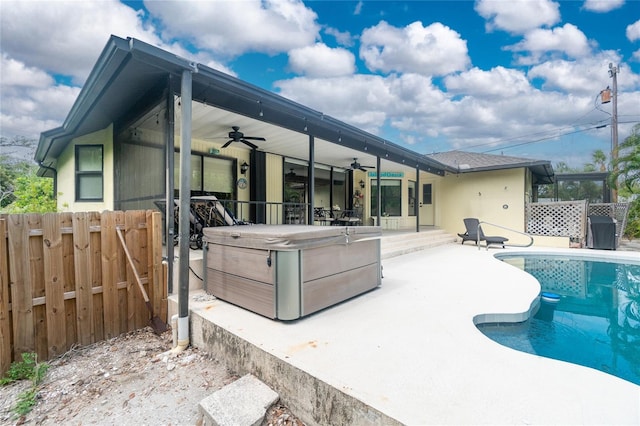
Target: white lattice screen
<point x="569" y="218"/>
<point x="558" y="219"/>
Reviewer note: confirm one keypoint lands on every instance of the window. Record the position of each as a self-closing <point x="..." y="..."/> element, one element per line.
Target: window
<point x="391" y="197"/>
<point x="412" y="198"/>
<point x="427" y="193"/>
<point x="209" y="176"/>
<point x="89" y="173"/>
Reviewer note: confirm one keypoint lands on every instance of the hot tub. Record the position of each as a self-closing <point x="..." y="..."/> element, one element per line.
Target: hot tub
<point x="289" y="271"/>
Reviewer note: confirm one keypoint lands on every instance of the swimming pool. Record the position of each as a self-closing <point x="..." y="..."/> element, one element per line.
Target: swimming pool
<point x="589" y="313"/>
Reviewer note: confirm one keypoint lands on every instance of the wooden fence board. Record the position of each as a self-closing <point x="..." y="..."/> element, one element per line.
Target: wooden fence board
<point x="54" y="284"/>
<point x="155" y="271"/>
<point x="83" y="280"/>
<point x="130" y="234"/>
<point x="21" y="297"/>
<point x="121" y="276"/>
<point x="96" y="278"/>
<point x="36" y="273"/>
<point x="66" y="223"/>
<point x="5" y="322"/>
<point x="109" y="275"/>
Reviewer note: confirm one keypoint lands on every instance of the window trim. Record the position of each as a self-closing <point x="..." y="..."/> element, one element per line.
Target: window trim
<point x="79" y="174"/>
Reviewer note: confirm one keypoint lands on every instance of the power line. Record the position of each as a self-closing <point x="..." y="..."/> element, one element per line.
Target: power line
<point x="554" y="136"/>
<point x="546" y="138"/>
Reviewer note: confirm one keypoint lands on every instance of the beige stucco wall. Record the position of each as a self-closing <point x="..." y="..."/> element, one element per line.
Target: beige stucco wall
<point x="66" y="173"/>
<point x="495" y="197"/>
<point x="274" y="186"/>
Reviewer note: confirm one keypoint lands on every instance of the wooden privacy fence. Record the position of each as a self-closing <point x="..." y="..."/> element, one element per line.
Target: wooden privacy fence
<point x="65" y="280"/>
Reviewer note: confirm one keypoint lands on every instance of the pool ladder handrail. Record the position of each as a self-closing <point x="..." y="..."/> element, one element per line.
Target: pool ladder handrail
<point x="507" y="229"/>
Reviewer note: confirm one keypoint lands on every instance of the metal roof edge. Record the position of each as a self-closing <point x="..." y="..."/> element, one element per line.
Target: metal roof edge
<point x="116" y="49"/>
<point x="318" y="119"/>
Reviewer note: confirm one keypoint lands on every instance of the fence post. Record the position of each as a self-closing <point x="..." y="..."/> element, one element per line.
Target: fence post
<point x="5" y="324"/>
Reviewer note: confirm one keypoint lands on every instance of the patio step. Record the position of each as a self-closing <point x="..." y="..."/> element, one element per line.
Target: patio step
<point x="398" y="244"/>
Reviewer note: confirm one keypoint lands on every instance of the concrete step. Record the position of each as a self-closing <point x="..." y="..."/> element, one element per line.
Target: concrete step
<point x="399" y="244"/>
<point x="243" y="402"/>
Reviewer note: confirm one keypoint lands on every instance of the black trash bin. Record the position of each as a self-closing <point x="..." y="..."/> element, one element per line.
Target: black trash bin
<point x="601" y="232"/>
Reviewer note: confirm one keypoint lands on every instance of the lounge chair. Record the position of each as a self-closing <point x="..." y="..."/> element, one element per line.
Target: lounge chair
<point x="473" y="227"/>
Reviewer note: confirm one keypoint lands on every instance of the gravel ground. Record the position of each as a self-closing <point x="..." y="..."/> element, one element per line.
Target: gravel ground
<point x="125" y="381"/>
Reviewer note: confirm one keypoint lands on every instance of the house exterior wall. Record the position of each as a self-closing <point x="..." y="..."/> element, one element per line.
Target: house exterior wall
<point x="493" y="196"/>
<point x="274" y="186"/>
<point x="67" y="174"/>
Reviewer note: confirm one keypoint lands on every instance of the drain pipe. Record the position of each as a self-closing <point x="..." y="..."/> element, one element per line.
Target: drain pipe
<point x="55" y="178"/>
<point x="185" y="199"/>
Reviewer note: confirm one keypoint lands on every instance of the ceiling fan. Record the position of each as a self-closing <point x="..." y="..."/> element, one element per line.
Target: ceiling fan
<point x="357" y="166"/>
<point x="291" y="175"/>
<point x="238" y="136"/>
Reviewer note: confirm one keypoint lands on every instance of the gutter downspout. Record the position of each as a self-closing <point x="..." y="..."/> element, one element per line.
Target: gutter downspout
<point x="185" y="198"/>
<point x="55" y="178"/>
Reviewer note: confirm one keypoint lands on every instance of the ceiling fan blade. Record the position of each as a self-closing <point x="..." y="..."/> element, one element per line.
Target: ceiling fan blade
<point x="228" y="143"/>
<point x="246" y="142"/>
<point x="362" y="169"/>
<point x="255" y="138"/>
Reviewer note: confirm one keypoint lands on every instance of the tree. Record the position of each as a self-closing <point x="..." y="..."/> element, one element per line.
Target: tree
<point x="599" y="160"/>
<point x="21" y="190"/>
<point x="626" y="177"/>
<point x="10" y="169"/>
<point x="32" y="194"/>
<point x="627" y="165"/>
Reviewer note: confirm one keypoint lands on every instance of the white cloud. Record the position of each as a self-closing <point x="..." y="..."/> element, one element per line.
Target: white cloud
<point x="539" y="43"/>
<point x="344" y="38"/>
<point x="432" y="50"/>
<point x="16" y="73"/>
<point x="518" y="16"/>
<point x="320" y="60"/>
<point x="358" y="8"/>
<point x="235" y="27"/>
<point x="66" y="37"/>
<point x="366" y="101"/>
<point x="27" y="111"/>
<point x="633" y="31"/>
<point x="602" y="6"/>
<point x="499" y="82"/>
<point x="587" y="76"/>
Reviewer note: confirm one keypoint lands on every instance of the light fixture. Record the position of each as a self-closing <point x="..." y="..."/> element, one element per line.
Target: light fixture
<point x="361" y="184"/>
<point x="244" y="167"/>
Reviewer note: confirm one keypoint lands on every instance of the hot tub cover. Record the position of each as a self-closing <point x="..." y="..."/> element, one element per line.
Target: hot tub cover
<point x="289" y="237"/>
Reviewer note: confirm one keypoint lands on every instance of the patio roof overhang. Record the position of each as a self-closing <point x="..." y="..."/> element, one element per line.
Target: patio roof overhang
<point x="129" y="70"/>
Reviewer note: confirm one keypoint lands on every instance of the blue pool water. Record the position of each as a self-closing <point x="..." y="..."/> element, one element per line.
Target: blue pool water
<point x="595" y="322"/>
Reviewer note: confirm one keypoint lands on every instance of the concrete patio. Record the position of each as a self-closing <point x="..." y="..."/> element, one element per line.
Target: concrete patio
<point x="409" y="352"/>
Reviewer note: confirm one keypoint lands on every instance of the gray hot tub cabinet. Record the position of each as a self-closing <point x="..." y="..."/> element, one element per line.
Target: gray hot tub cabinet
<point x="289" y="271"/>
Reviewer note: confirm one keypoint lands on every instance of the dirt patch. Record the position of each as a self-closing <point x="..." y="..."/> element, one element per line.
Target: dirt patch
<point x="127" y="380"/>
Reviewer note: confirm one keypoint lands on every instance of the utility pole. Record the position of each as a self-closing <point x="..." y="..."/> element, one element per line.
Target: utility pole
<point x="613" y="73"/>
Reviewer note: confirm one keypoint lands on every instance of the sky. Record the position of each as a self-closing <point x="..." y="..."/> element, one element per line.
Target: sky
<point x="514" y="77"/>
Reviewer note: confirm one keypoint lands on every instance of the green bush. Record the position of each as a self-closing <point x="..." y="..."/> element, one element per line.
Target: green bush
<point x="632" y="230"/>
<point x="27" y="369"/>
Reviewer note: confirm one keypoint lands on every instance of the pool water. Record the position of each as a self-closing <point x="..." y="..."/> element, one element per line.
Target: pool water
<point x="595" y="322"/>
